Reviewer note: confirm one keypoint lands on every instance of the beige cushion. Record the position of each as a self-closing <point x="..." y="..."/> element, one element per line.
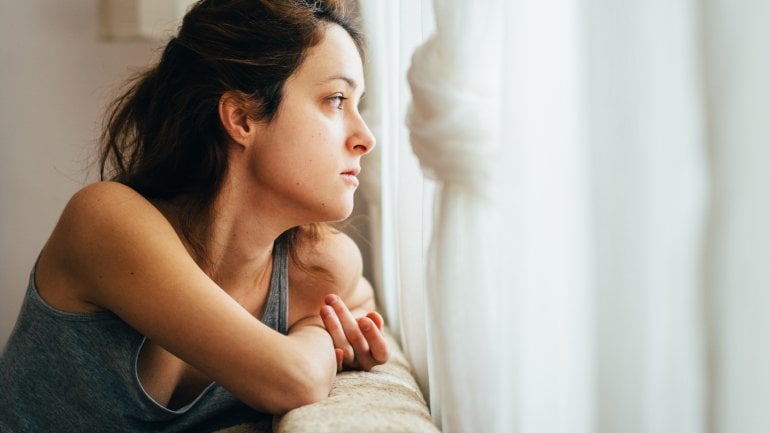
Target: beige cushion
<point x="386" y="399"/>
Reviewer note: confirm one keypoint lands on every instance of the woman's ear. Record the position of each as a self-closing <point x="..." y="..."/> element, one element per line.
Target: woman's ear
<point x="233" y="113"/>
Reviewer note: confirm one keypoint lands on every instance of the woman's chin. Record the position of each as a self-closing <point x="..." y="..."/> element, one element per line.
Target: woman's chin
<point x="339" y="216"/>
<point x="328" y="213"/>
<point x="339" y="212"/>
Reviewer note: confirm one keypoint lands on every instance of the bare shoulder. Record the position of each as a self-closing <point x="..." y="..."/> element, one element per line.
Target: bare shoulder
<point x="333" y="264"/>
<point x="102" y="200"/>
<point x="98" y="222"/>
<point x="105" y="212"/>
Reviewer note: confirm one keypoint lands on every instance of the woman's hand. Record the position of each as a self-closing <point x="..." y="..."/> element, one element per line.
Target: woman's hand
<point x="358" y="343"/>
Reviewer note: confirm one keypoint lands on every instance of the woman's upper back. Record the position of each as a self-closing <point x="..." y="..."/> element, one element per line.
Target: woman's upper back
<point x="95" y="235"/>
<point x="77" y="371"/>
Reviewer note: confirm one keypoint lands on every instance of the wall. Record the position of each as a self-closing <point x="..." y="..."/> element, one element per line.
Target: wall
<point x="55" y="79"/>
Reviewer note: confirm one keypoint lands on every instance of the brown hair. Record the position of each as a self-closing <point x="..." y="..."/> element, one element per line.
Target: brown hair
<point x="163" y="136"/>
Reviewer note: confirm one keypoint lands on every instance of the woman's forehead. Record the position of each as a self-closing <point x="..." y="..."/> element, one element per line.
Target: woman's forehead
<point x="335" y="57"/>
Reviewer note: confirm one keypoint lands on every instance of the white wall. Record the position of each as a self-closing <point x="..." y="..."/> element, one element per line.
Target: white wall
<point x="55" y="78"/>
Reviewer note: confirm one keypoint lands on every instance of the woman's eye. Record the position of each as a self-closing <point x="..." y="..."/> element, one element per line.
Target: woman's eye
<point x="338" y="101"/>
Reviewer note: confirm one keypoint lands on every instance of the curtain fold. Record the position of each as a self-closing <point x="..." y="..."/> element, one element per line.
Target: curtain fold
<point x="377" y="168"/>
<point x="392" y="183"/>
<point x="735" y="40"/>
<point x="453" y="120"/>
<point x="646" y="131"/>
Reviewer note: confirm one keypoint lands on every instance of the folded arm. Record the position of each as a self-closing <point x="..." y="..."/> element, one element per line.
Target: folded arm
<point x="342" y="300"/>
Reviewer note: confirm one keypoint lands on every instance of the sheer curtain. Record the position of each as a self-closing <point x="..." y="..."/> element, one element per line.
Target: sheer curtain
<point x="598" y="236"/>
<point x="392" y="184"/>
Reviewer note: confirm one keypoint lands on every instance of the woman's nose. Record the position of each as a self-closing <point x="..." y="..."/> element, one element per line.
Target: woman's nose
<point x="362" y="140"/>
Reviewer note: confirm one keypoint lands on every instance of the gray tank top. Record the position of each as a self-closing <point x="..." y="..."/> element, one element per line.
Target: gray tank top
<point x="64" y="372"/>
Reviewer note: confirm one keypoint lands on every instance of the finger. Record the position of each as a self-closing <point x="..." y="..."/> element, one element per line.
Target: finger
<point x="334" y="328"/>
<point x="378" y="346"/>
<point x="338" y="353"/>
<point x="349" y="325"/>
<point x="377" y="319"/>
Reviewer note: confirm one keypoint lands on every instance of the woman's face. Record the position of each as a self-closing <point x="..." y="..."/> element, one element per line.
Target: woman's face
<point x="307" y="158"/>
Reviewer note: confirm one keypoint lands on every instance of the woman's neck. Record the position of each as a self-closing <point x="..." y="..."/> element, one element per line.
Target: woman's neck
<point x="235" y="246"/>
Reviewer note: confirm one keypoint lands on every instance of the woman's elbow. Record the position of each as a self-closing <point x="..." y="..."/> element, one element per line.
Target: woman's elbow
<point x="308" y="392"/>
<point x="305" y="383"/>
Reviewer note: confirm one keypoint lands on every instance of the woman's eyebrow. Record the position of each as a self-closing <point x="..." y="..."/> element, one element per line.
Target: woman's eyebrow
<point x="351" y="82"/>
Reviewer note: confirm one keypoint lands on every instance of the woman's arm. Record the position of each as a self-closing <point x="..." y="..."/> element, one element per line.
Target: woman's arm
<point x="114" y="250"/>
<point x="344" y="298"/>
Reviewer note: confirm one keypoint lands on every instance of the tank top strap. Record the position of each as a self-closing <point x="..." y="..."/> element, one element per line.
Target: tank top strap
<point x="277" y="307"/>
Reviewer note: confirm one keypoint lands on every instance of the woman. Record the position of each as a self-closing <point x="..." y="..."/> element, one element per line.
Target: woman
<point x="143" y="308"/>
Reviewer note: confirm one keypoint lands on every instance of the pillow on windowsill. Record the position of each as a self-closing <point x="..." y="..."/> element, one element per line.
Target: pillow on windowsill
<point x="386" y="399"/>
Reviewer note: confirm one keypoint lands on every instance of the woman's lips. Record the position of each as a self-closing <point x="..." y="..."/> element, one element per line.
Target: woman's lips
<point x="350" y="176"/>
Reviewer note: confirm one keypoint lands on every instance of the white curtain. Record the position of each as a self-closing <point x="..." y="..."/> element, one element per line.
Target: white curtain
<point x="598" y="237"/>
<point x="392" y="184"/>
<point x="736" y="39"/>
<point x="455" y="133"/>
